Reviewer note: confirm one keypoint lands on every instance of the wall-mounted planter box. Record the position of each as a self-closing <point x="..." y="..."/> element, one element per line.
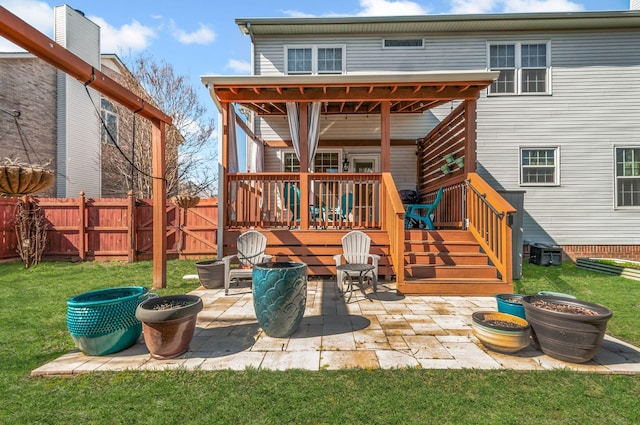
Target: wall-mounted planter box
<point x="594" y="265"/>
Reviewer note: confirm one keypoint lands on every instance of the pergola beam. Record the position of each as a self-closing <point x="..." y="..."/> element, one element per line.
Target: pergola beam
<point x="24" y="35"/>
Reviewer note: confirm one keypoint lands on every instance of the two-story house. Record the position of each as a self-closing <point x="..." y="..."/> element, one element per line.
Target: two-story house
<point x="541" y="105"/>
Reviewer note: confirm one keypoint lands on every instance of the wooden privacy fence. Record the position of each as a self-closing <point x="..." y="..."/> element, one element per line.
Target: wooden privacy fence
<point x="115" y="228"/>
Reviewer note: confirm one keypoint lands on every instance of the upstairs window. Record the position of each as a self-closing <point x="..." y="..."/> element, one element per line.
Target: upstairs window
<point x="110" y="119"/>
<point x="539" y="166"/>
<point x="315" y="59"/>
<point x="524" y="68"/>
<point x="628" y="177"/>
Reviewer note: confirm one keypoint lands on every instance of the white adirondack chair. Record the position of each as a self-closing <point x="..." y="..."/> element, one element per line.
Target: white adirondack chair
<point x="355" y="250"/>
<point x="251" y="247"/>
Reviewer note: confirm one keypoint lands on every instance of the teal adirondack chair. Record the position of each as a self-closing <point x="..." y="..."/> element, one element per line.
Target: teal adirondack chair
<point x="413" y="212"/>
<point x="291" y="198"/>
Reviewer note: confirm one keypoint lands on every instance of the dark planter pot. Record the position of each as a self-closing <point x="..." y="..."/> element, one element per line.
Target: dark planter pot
<point x="501" y="332"/>
<point x="511" y="304"/>
<point x="567" y="336"/>
<point x="279" y="296"/>
<point x="104" y="321"/>
<point x="211" y="273"/>
<point x="168" y="332"/>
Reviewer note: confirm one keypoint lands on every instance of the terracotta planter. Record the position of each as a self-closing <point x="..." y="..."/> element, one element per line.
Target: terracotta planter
<point x="168" y="331"/>
<point x="501" y="332"/>
<point x="566" y="335"/>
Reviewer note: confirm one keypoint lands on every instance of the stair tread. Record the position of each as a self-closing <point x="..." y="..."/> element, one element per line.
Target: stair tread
<point x="452" y="280"/>
<point x="446" y="254"/>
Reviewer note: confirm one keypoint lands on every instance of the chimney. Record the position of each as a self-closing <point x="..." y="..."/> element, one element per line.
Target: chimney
<point x="634" y="4"/>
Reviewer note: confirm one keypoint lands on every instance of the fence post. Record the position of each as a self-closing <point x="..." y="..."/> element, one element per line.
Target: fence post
<point x="131" y="235"/>
<point x="81" y="227"/>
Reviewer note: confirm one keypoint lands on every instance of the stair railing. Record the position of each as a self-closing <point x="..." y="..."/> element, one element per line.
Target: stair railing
<point x="392" y="220"/>
<point x="489" y="219"/>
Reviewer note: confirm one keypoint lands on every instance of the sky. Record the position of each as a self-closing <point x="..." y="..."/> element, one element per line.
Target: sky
<point x="201" y="38"/>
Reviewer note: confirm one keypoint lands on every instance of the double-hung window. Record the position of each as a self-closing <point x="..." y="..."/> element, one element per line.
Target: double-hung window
<point x="539" y="166"/>
<point x="325" y="59"/>
<point x="109" y="131"/>
<point x="628" y="176"/>
<point x="323" y="162"/>
<point x="524" y="67"/>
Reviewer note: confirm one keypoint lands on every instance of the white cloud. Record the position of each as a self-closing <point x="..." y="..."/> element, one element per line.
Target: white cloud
<point x="239" y="66"/>
<point x="390" y="8"/>
<point x="36" y="13"/>
<point x="128" y="38"/>
<point x="204" y="35"/>
<point x="513" y="6"/>
<point x="297" y="14"/>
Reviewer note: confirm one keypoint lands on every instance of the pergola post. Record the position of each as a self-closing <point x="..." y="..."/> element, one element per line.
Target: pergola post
<point x="385" y="137"/>
<point x="304" y="164"/>
<point x="470" y="136"/>
<point x="24" y="35"/>
<point x="159" y="187"/>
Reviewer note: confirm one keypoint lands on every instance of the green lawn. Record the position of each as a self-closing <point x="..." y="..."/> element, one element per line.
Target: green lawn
<point x="34" y="331"/>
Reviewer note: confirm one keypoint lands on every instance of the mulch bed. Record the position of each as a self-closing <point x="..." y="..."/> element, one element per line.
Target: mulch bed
<point x="564" y="308"/>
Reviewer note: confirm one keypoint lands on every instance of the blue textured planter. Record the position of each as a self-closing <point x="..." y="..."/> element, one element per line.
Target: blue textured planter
<point x="511" y="304"/>
<point x="279" y="296"/>
<point x="104" y="321"/>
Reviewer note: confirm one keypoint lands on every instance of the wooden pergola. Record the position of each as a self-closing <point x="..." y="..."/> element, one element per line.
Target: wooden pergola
<point x="24" y="35"/>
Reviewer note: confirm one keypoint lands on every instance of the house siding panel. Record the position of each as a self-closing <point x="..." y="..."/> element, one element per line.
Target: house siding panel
<point x="593" y="107"/>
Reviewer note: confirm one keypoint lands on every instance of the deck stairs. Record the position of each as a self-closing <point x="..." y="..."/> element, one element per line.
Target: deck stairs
<point x="448" y="262"/>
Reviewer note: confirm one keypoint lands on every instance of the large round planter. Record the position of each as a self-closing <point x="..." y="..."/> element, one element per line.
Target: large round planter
<point x="279" y="296"/>
<point x="564" y="335"/>
<point x="211" y="273"/>
<point x="511" y="304"/>
<point x="104" y="321"/>
<point x="168" y="329"/>
<point x="501" y="332"/>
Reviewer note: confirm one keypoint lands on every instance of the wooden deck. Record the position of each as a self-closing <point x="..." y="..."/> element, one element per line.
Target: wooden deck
<point x="438" y="262"/>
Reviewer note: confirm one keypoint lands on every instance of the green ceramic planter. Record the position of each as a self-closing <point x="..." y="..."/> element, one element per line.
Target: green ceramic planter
<point x="279" y="296"/>
<point x="104" y="321"/>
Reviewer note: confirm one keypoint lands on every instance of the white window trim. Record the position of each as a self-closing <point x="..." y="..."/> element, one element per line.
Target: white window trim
<point x="340" y="153"/>
<point x="615" y="177"/>
<point x="518" y="67"/>
<point x="384" y="47"/>
<point x="314" y="57"/>
<point x="556" y="150"/>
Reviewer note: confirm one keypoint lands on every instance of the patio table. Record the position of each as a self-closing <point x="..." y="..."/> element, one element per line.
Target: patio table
<point x="362" y="269"/>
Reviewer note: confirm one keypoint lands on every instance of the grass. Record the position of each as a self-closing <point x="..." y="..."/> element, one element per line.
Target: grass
<point x="33" y="332"/>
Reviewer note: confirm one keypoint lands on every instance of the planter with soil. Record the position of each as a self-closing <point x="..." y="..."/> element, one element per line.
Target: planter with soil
<point x="104" y="321"/>
<point x="501" y="332"/>
<point x="511" y="304"/>
<point x="567" y="329"/>
<point x="168" y="324"/>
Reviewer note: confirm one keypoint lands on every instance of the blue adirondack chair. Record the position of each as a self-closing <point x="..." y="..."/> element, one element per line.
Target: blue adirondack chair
<point x="413" y="212"/>
<point x="291" y="198"/>
<point x="343" y="210"/>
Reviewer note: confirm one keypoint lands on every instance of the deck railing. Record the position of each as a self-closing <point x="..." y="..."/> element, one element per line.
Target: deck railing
<point x="489" y="215"/>
<point x="344" y="200"/>
<point x="392" y="213"/>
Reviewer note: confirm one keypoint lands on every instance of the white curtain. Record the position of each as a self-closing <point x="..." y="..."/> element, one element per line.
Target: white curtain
<point x="313" y="126"/>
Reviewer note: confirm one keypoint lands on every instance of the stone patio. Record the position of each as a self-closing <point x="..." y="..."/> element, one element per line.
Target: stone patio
<point x="382" y="330"/>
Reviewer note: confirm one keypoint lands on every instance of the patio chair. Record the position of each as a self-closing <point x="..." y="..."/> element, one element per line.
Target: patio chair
<point x="251" y="247"/>
<point x="342" y="212"/>
<point x="291" y="198"/>
<point x="355" y="250"/>
<point x="412" y="213"/>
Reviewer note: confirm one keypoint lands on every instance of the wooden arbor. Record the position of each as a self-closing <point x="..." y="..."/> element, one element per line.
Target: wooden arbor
<point x="24" y="35"/>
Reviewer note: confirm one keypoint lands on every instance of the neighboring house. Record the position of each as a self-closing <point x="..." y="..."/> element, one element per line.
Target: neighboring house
<point x="556" y="120"/>
<point x="58" y="120"/>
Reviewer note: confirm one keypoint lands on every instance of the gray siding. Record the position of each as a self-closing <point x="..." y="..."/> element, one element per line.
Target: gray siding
<point x="594" y="106"/>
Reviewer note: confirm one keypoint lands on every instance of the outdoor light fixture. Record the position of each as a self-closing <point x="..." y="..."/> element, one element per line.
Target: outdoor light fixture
<point x="345" y="164"/>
